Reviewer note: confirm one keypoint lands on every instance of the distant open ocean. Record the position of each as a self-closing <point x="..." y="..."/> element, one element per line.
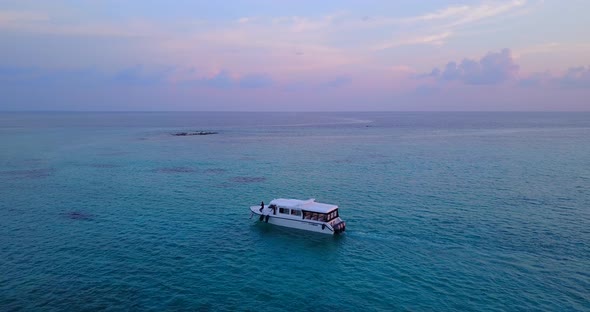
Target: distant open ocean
<point x="444" y="211"/>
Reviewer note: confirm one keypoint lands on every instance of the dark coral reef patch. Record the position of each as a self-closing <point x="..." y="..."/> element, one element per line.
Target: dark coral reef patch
<point x="103" y="166"/>
<point x="176" y="170"/>
<point x="248" y="179"/>
<point x="215" y="171"/>
<point x="78" y="215"/>
<point x="190" y="133"/>
<point x="28" y="173"/>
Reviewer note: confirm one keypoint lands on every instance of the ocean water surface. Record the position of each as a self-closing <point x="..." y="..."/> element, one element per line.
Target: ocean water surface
<point x="444" y="211"/>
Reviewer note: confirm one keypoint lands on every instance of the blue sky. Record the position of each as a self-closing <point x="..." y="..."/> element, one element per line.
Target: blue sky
<point x="295" y="55"/>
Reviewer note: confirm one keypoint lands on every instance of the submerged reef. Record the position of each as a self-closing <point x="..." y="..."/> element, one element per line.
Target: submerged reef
<point x="28" y="173"/>
<point x="215" y="171"/>
<point x="78" y="215"/>
<point x="103" y="166"/>
<point x="193" y="133"/>
<point x="248" y="179"/>
<point x="175" y="170"/>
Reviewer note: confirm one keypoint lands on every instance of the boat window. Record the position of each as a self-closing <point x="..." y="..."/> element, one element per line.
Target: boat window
<point x="332" y="215"/>
<point x="314" y="216"/>
<point x="295" y="212"/>
<point x="306" y="215"/>
<point x="322" y="217"/>
<point x="284" y="210"/>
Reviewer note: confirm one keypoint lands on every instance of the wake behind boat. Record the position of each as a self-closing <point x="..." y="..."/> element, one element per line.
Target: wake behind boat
<point x="301" y="214"/>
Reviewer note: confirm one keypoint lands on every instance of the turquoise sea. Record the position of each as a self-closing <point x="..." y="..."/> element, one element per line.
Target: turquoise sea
<point x="444" y="211"/>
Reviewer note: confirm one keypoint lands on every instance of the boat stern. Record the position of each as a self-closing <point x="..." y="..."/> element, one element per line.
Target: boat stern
<point x="339" y="227"/>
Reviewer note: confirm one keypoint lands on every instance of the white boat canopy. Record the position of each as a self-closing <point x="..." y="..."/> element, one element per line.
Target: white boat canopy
<point x="307" y="205"/>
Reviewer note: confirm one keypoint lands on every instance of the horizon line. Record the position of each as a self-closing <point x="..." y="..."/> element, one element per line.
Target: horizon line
<point x="289" y="111"/>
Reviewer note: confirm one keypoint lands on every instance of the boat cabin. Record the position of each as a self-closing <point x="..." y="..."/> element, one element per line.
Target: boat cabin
<point x="305" y="209"/>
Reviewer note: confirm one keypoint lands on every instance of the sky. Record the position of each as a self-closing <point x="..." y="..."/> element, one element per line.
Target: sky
<point x="273" y="55"/>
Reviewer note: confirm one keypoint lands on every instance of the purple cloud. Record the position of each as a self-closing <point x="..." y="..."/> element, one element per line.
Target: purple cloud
<point x="576" y="77"/>
<point x="34" y="76"/>
<point x="534" y="80"/>
<point x="138" y="75"/>
<point x="256" y="81"/>
<point x="222" y="80"/>
<point x="130" y="76"/>
<point x="15" y="76"/>
<point x="426" y="90"/>
<point x="493" y="68"/>
<point x="336" y="82"/>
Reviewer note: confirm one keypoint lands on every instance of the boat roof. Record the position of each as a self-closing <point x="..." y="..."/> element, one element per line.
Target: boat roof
<point x="307" y="205"/>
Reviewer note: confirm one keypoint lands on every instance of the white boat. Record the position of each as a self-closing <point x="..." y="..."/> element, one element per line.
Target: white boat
<point x="301" y="214"/>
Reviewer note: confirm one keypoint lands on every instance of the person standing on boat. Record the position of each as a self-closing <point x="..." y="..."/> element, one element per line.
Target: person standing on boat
<point x="261" y="206"/>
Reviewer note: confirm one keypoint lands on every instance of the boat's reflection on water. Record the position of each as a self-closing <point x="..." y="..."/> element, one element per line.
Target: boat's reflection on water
<point x="295" y="238"/>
